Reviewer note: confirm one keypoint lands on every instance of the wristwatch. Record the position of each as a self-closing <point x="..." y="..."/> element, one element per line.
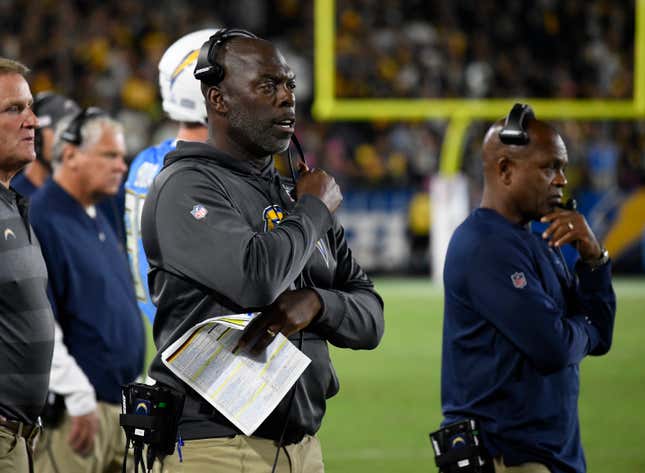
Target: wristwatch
<point x="598" y="262"/>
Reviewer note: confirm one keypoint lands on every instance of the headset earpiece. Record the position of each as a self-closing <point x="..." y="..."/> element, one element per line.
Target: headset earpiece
<point x="72" y="133"/>
<point x="207" y="70"/>
<point x="514" y="131"/>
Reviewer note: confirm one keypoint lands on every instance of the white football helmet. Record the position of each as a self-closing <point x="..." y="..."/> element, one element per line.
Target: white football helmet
<point x="181" y="92"/>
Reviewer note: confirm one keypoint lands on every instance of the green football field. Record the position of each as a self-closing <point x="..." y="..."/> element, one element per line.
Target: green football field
<point x="389" y="398"/>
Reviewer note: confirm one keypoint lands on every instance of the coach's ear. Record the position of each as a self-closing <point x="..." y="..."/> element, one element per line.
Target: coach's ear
<point x="215" y="99"/>
<point x="505" y="167"/>
<point x="68" y="156"/>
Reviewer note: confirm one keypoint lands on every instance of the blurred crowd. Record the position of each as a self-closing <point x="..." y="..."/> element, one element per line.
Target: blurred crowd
<point x="483" y="49"/>
<point x="106" y="54"/>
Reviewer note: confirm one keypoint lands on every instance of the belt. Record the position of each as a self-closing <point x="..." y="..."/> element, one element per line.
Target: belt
<point x="28" y="431"/>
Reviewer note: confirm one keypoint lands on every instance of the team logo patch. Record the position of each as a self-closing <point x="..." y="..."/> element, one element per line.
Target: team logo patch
<point x="272" y="216"/>
<point x="8" y="232"/>
<point x="519" y="280"/>
<point x="457" y="441"/>
<point x="199" y="211"/>
<point x="187" y="61"/>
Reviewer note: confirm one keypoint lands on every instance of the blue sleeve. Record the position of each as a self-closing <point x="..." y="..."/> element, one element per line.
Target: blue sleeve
<point x="54" y="256"/>
<point x="597" y="301"/>
<point x="145" y="166"/>
<point x="506" y="289"/>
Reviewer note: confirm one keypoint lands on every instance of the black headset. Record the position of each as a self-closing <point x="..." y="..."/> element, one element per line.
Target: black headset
<point x="72" y="133"/>
<point x="41" y="101"/>
<point x="515" y="131"/>
<point x="207" y="70"/>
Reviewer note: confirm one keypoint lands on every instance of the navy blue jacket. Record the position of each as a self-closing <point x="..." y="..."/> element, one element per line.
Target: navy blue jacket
<point x="517" y="324"/>
<point x="91" y="290"/>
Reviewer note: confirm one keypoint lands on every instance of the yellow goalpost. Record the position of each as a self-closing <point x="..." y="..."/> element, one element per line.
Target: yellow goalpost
<point x="459" y="113"/>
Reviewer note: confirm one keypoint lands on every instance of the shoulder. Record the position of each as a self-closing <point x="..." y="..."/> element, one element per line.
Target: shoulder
<point x="147" y="164"/>
<point x="488" y="240"/>
<point x="43" y="204"/>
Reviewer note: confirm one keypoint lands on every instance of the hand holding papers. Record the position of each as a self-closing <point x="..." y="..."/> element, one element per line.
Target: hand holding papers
<point x="243" y="387"/>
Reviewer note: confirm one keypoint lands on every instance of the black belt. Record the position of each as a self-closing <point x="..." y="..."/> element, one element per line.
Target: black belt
<point x="290" y="437"/>
<point x="28" y="431"/>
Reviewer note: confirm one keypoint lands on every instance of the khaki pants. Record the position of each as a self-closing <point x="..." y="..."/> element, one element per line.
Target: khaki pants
<point x="245" y="454"/>
<point x="54" y="454"/>
<point x="14" y="457"/>
<point x="500" y="467"/>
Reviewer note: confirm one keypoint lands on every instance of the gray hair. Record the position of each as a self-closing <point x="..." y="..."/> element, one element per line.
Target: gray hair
<point x="91" y="131"/>
<point x="9" y="66"/>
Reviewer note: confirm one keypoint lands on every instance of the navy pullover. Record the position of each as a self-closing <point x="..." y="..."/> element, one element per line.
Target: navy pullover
<point x="517" y="324"/>
<point x="91" y="290"/>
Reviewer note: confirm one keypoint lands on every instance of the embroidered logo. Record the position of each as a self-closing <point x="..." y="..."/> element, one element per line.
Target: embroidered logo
<point x="519" y="280"/>
<point x="8" y="232"/>
<point x="199" y="211"/>
<point x="272" y="216"/>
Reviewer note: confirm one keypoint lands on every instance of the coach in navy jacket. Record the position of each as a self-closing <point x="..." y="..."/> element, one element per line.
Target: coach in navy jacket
<point x="517" y="322"/>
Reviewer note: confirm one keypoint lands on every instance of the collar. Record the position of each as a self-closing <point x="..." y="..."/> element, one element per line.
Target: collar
<point x="199" y="150"/>
<point x="8" y="195"/>
<point x="60" y="196"/>
<point x="490" y="214"/>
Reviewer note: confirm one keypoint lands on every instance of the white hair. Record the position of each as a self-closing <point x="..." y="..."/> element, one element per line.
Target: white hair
<point x="91" y="132"/>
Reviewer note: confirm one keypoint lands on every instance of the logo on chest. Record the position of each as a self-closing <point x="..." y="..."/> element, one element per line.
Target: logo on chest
<point x="199" y="211"/>
<point x="519" y="280"/>
<point x="272" y="216"/>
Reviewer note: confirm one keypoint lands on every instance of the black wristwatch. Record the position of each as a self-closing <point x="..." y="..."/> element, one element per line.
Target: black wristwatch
<point x="600" y="261"/>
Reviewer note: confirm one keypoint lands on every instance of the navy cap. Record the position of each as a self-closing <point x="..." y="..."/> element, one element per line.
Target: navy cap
<point x="50" y="108"/>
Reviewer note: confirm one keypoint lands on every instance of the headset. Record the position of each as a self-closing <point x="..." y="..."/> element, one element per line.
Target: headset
<point x="40" y="101"/>
<point x="72" y="133"/>
<point x="515" y="131"/>
<point x="207" y="69"/>
<point x="210" y="72"/>
<point x="49" y="107"/>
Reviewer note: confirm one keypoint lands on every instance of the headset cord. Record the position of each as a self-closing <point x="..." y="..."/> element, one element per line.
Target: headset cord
<point x="296" y="143"/>
<point x="286" y="420"/>
<point x="125" y="455"/>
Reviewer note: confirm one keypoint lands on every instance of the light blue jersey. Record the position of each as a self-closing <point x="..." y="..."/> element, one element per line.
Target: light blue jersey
<point x="145" y="166"/>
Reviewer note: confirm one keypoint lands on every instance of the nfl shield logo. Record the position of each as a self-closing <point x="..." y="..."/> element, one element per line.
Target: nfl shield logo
<point x="519" y="280"/>
<point x="199" y="211"/>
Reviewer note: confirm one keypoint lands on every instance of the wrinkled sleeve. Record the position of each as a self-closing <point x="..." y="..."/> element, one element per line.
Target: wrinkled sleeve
<point x="523" y="312"/>
<point x="220" y="250"/>
<point x="597" y="301"/>
<point x="352" y="312"/>
<point x="66" y="377"/>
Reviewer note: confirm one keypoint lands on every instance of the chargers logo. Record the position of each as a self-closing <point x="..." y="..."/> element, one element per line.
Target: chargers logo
<point x="8" y="233"/>
<point x="188" y="60"/>
<point x="142" y="407"/>
<point x="457" y="441"/>
<point x="272" y="216"/>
